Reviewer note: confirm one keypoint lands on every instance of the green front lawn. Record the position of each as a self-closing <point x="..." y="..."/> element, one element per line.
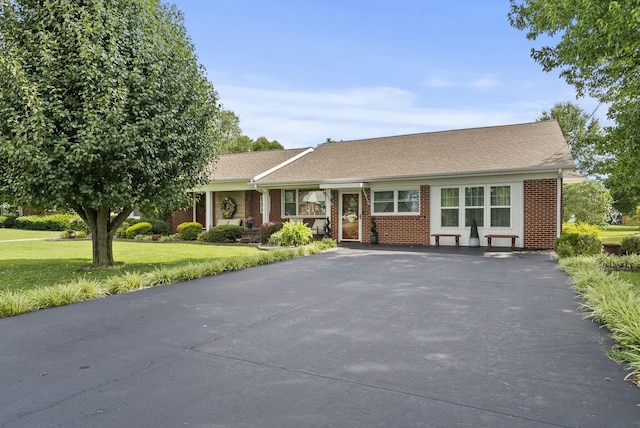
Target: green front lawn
<point x="9" y="234"/>
<point x="32" y="264"/>
<point x="614" y="234"/>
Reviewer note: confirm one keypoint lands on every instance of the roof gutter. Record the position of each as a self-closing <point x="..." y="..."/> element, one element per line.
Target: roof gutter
<point x="352" y="182"/>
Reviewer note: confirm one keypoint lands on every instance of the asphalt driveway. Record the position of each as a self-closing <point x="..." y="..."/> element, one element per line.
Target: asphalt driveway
<point x="351" y="338"/>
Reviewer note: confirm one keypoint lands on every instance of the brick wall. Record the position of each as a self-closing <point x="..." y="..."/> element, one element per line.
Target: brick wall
<point x="181" y="216"/>
<point x="275" y="216"/>
<point x="253" y="207"/>
<point x="540" y="213"/>
<point x="335" y="215"/>
<point x="399" y="230"/>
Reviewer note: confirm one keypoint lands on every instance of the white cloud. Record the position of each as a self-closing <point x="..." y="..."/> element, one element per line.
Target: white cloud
<point x="442" y="82"/>
<point x="301" y="119"/>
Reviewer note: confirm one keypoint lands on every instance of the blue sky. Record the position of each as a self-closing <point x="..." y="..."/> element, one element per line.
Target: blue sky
<point x="303" y="71"/>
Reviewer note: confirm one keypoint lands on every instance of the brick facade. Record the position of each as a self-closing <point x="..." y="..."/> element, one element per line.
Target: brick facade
<point x="181" y="216"/>
<point x="253" y="207"/>
<point x="398" y="230"/>
<point x="540" y="213"/>
<point x="275" y="216"/>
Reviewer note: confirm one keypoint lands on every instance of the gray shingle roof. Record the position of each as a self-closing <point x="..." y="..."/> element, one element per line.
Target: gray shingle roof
<point x="523" y="147"/>
<point x="245" y="166"/>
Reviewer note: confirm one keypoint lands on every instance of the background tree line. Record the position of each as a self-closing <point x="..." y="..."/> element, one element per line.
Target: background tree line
<point x="595" y="46"/>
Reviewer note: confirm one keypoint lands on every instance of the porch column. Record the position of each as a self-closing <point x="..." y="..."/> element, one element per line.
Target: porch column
<point x="266" y="204"/>
<point x="208" y="210"/>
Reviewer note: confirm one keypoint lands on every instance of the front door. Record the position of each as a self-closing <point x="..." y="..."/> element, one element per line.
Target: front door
<point x="350" y="229"/>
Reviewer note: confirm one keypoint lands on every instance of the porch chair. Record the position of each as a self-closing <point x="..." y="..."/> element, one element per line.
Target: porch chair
<point x="318" y="227"/>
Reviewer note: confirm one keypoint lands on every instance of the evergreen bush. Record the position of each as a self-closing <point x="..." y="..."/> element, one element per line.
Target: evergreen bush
<point x="275" y="240"/>
<point x="577" y="244"/>
<point x="267" y="230"/>
<point x="630" y="245"/>
<point x="580" y="227"/>
<point x="48" y="222"/>
<point x="142" y="228"/>
<point x="189" y="231"/>
<point x="78" y="224"/>
<point x="222" y="234"/>
<point x="7" y="221"/>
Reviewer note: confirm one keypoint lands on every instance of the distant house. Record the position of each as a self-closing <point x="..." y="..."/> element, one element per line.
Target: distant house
<point x="507" y="178"/>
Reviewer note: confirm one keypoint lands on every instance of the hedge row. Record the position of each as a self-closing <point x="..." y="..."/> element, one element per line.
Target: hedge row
<point x="49" y="222"/>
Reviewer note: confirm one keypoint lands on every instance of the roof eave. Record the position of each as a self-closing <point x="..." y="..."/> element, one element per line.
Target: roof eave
<point x="468" y="174"/>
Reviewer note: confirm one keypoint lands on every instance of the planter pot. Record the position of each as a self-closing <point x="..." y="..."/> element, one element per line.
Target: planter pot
<point x="612" y="248"/>
<point x="474" y="242"/>
<point x="156" y="237"/>
<point x="374" y="239"/>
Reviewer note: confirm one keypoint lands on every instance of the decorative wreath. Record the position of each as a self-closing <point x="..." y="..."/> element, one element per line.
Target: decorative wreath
<point x="228" y="207"/>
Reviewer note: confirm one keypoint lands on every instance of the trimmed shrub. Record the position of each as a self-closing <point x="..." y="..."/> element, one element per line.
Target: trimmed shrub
<point x="587" y="228"/>
<point x="78" y="224"/>
<point x="267" y="230"/>
<point x="630" y="245"/>
<point x="275" y="240"/>
<point x="222" y="234"/>
<point x="189" y="231"/>
<point x="142" y="228"/>
<point x="7" y="221"/>
<point x="296" y="233"/>
<point x="121" y="232"/>
<point x="577" y="244"/>
<point x="160" y="226"/>
<point x="48" y="222"/>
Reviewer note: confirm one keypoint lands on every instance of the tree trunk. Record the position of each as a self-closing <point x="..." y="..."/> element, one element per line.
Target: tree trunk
<point x="103" y="228"/>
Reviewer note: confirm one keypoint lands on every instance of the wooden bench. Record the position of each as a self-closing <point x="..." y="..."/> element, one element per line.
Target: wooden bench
<point x="451" y="235"/>
<point x="512" y="237"/>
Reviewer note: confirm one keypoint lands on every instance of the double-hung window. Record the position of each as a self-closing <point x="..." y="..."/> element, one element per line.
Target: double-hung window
<point x="467" y="203"/>
<point x="500" y="206"/>
<point x="396" y="202"/>
<point x="474" y="206"/>
<point x="450" y="207"/>
<point x="304" y="203"/>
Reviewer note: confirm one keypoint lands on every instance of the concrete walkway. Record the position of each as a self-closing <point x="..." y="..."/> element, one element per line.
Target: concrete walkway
<point x="358" y="337"/>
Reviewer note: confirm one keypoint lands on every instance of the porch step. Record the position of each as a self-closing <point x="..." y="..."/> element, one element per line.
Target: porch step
<point x="251" y="235"/>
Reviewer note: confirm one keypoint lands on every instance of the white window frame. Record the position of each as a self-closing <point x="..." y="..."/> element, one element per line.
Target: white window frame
<point x="472" y="206"/>
<point x="450" y="208"/>
<point x="297" y="202"/>
<point x="396" y="202"/>
<point x="487" y="206"/>
<point x="509" y="207"/>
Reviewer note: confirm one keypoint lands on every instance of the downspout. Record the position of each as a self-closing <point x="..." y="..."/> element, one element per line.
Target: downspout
<point x="559" y="204"/>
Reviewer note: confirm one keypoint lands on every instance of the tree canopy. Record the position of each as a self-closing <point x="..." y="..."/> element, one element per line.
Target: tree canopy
<point x="233" y="141"/>
<point x="103" y="108"/>
<point x="595" y="45"/>
<point x="583" y="134"/>
<point x="587" y="202"/>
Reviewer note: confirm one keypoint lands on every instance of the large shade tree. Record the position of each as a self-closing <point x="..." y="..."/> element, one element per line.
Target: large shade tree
<point x="595" y="45"/>
<point x="583" y="134"/>
<point x="103" y="108"/>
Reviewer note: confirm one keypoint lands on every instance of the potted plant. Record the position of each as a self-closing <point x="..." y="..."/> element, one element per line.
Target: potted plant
<point x="374" y="231"/>
<point x="474" y="238"/>
<point x="250" y="222"/>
